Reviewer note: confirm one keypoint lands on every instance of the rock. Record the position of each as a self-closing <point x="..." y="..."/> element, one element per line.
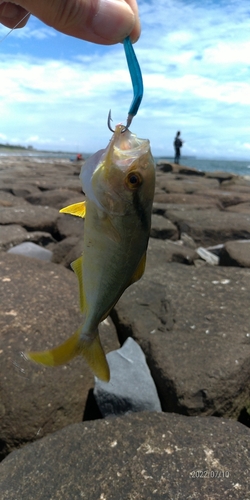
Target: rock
<point x="10" y="235"/>
<point x="169" y="251"/>
<point x="210" y="227"/>
<point x="221" y="176"/>
<point x="187" y="241"/>
<point x="243" y="208"/>
<point x="187" y="199"/>
<point x="236" y="253"/>
<point x="131" y="387"/>
<point x="63" y="250"/>
<point x="209" y="257"/>
<point x="139" y="456"/>
<point x="164" y="166"/>
<point x="57" y="198"/>
<point x="29" y="249"/>
<point x="186" y="185"/>
<point x="163" y="229"/>
<point x="9" y="200"/>
<point x="68" y="225"/>
<point x="193" y="326"/>
<point x="30" y="217"/>
<point x="13" y="234"/>
<point x="39" y="309"/>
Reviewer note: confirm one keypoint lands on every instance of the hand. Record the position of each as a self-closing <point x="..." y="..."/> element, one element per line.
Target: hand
<point x="98" y="21"/>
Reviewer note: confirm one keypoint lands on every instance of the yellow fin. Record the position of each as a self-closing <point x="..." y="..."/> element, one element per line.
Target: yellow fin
<point x="91" y="350"/>
<point x="77" y="268"/>
<point x="78" y="209"/>
<point x="139" y="271"/>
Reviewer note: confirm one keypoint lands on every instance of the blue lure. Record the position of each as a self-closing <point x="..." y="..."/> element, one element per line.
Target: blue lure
<point x="137" y="83"/>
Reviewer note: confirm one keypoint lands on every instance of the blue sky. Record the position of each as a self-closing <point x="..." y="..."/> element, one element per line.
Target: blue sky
<point x="56" y="91"/>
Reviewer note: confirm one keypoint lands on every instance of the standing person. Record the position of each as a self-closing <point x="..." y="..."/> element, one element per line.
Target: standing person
<point x="177" y="146"/>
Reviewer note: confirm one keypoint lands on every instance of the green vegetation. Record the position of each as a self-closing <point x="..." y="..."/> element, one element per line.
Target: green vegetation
<point x="12" y="146"/>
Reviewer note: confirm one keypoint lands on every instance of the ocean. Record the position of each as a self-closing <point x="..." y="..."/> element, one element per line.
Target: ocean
<point x="233" y="166"/>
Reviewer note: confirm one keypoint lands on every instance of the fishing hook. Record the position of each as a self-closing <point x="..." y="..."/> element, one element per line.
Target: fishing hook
<point x="136" y="78"/>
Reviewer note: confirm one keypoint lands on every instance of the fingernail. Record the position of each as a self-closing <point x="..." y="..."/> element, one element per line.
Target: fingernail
<point x="10" y="11"/>
<point x="114" y="20"/>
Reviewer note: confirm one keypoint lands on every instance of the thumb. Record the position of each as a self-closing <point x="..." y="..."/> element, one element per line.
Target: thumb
<point x="98" y="21"/>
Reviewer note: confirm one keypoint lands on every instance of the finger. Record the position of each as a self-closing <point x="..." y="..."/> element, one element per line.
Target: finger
<point x="98" y="21"/>
<point x="11" y="15"/>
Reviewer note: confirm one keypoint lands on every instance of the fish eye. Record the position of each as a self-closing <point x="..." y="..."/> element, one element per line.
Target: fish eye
<point x="133" y="180"/>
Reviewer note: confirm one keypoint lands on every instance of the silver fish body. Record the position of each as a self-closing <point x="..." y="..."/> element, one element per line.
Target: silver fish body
<point x="119" y="186"/>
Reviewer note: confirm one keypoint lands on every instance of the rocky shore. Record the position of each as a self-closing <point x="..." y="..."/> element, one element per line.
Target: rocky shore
<point x="189" y="314"/>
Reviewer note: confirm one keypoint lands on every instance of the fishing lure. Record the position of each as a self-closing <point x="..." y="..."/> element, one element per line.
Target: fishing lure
<point x="137" y="82"/>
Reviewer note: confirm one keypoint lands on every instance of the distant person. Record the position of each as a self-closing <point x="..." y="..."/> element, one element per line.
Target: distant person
<point x="177" y="147"/>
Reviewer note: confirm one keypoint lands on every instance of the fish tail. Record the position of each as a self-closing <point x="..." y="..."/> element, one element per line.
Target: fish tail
<point x="91" y="350"/>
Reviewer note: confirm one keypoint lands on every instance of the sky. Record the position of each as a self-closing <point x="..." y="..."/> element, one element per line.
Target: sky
<point x="56" y="91"/>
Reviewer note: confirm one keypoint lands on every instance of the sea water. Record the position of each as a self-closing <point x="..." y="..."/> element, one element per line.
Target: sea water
<point x="206" y="165"/>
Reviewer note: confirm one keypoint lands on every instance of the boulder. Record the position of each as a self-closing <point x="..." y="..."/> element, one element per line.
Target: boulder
<point x="236" y="253"/>
<point x="170" y="251"/>
<point x="243" y="208"/>
<point x="138" y="456"/>
<point x="187" y="200"/>
<point x="163" y="228"/>
<point x="30" y="217"/>
<point x="131" y="387"/>
<point x="39" y="310"/>
<point x="10" y="200"/>
<point x="11" y="234"/>
<point x="29" y="249"/>
<point x="210" y="227"/>
<point x="57" y="198"/>
<point x="193" y="326"/>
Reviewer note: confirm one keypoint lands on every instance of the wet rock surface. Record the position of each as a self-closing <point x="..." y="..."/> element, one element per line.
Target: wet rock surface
<point x="139" y="456"/>
<point x="190" y="318"/>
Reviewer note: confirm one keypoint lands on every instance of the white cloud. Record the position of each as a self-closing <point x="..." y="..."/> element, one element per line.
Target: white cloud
<point x="195" y="63"/>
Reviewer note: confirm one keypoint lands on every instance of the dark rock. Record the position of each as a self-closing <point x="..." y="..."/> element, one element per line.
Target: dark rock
<point x="221" y="176"/>
<point x="164" y="166"/>
<point x="57" y="198"/>
<point x="10" y="235"/>
<point x="201" y="201"/>
<point x="236" y="253"/>
<point x="243" y="208"/>
<point x="210" y="227"/>
<point x="183" y="185"/>
<point x="193" y="326"/>
<point x="68" y="225"/>
<point x="227" y="198"/>
<point x="39" y="309"/>
<point x="163" y="228"/>
<point x="169" y="251"/>
<point x="238" y="184"/>
<point x="9" y="200"/>
<point x="138" y="456"/>
<point x="29" y="249"/>
<point x="30" y="217"/>
<point x="65" y="247"/>
<point x="131" y="387"/>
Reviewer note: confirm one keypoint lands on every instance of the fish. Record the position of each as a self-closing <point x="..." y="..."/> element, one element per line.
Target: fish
<point x="119" y="185"/>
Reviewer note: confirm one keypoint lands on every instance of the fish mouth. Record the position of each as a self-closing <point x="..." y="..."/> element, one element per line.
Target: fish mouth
<point x="124" y="149"/>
